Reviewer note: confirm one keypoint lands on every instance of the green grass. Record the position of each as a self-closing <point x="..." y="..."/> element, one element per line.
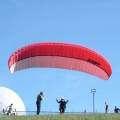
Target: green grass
<point x="65" y="117"/>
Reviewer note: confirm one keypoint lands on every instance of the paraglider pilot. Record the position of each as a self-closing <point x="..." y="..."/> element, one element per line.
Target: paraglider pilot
<point x="40" y="97"/>
<point x="62" y="105"/>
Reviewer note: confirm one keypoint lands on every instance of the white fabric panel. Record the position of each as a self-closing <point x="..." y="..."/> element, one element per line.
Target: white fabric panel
<point x="59" y="62"/>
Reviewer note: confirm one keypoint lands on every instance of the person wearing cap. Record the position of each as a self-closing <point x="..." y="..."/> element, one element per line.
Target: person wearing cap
<point x="62" y="105"/>
<point x="40" y="97"/>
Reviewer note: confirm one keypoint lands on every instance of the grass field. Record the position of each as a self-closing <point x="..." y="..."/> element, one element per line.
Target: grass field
<point x="65" y="117"/>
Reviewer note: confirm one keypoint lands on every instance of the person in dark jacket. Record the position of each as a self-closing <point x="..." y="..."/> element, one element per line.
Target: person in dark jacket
<point x="106" y="107"/>
<point x="40" y="97"/>
<point x="62" y="105"/>
<point x="116" y="110"/>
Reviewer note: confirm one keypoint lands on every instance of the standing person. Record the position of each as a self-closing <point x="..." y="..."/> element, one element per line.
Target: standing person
<point x="62" y="105"/>
<point x="40" y="97"/>
<point x="106" y="108"/>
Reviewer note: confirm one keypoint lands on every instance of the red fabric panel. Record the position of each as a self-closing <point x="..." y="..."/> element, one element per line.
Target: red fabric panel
<point x="62" y="50"/>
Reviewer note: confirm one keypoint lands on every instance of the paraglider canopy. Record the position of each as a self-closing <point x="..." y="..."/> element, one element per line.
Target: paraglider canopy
<point x="60" y="55"/>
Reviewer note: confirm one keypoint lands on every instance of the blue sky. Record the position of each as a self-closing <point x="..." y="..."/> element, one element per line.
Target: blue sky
<point x="91" y="23"/>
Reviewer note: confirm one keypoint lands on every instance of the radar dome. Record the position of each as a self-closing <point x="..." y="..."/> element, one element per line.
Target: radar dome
<point x="7" y="97"/>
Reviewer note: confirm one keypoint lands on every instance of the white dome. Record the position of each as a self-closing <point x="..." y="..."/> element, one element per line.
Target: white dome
<point x="7" y="97"/>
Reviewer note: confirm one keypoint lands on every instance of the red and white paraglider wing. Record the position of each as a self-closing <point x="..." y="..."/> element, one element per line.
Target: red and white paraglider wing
<point x="60" y="55"/>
